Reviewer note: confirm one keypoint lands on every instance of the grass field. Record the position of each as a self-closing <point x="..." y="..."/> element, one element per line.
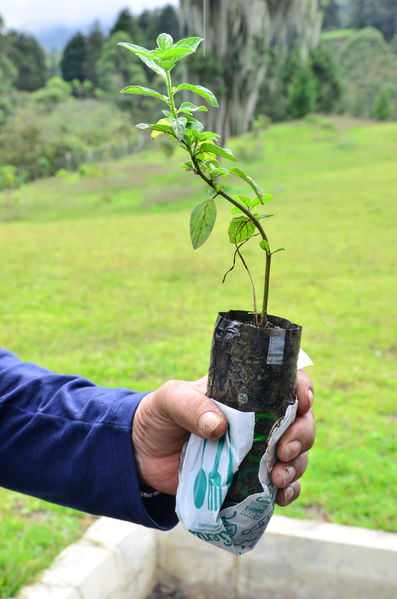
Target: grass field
<point x="98" y="278"/>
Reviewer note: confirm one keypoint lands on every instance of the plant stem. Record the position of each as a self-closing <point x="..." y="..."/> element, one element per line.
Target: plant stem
<point x="171" y="95"/>
<point x="252" y="282"/>
<point x="256" y="223"/>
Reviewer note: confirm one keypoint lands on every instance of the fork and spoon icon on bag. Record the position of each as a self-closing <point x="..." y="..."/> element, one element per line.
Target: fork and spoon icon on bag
<point x="210" y="485"/>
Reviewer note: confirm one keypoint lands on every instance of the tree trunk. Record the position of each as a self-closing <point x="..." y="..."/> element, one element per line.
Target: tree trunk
<point x="237" y="37"/>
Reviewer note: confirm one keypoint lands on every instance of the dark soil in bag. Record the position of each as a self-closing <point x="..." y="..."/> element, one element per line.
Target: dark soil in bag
<point x="253" y="369"/>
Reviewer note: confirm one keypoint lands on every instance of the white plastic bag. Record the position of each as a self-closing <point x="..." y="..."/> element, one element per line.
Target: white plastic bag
<point x="206" y="473"/>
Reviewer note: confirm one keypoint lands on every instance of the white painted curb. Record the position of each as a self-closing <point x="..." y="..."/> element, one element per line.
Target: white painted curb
<point x="296" y="559"/>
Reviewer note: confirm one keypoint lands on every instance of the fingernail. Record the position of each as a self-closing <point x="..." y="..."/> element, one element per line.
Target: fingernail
<point x="288" y="494"/>
<point x="208" y="422"/>
<point x="310" y="397"/>
<point x="288" y="474"/>
<point x="292" y="450"/>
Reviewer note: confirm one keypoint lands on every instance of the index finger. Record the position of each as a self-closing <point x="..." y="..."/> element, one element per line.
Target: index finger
<point x="304" y="392"/>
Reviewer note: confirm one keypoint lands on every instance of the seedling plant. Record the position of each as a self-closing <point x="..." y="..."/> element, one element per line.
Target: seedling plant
<point x="179" y="122"/>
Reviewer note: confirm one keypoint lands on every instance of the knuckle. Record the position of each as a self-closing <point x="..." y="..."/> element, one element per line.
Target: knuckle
<point x="169" y="387"/>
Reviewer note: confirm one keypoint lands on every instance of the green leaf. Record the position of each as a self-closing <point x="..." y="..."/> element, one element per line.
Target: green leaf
<point x="167" y="65"/>
<point x="265" y="245"/>
<point x="245" y="201"/>
<point x="156" y="127"/>
<point x="200" y="90"/>
<point x="176" y="53"/>
<point x="240" y="173"/>
<point x="146" y="56"/>
<point x="260" y="216"/>
<point x="149" y="62"/>
<point x="191" y="42"/>
<point x="187" y="166"/>
<point x="278" y="250"/>
<point x="137" y="50"/>
<point x="164" y="41"/>
<point x="208" y="135"/>
<point x="202" y="221"/>
<point x="197" y="126"/>
<point x="213" y="149"/>
<point x="240" y="229"/>
<point x="219" y="172"/>
<point x="191" y="107"/>
<point x="179" y="126"/>
<point x="154" y="66"/>
<point x="143" y="91"/>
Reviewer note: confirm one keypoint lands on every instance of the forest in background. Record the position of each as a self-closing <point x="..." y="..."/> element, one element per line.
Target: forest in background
<point x="61" y="110"/>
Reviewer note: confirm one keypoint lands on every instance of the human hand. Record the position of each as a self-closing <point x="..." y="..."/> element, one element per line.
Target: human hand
<point x="162" y="424"/>
<point x="293" y="447"/>
<point x="165" y="418"/>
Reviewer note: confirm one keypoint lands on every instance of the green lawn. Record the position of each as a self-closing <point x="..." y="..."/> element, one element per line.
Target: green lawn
<point x="99" y="278"/>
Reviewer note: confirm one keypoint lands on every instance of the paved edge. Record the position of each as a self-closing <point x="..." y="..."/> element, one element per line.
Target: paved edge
<point x="112" y="560"/>
<point x="295" y="559"/>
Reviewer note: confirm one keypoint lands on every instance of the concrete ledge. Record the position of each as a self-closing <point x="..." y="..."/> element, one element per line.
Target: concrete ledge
<point x="296" y="559"/>
<point x="113" y="560"/>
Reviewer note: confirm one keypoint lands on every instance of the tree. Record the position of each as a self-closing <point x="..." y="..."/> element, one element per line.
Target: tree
<point x="331" y="14"/>
<point x="382" y="108"/>
<point x="366" y="62"/>
<point x="114" y="71"/>
<point x="154" y="22"/>
<point x="327" y="79"/>
<point x="94" y="46"/>
<point x="393" y="44"/>
<point x="381" y="14"/>
<point x="8" y="75"/>
<point x="29" y="59"/>
<point x="238" y="35"/>
<point x="130" y="24"/>
<point x="302" y="93"/>
<point x="73" y="58"/>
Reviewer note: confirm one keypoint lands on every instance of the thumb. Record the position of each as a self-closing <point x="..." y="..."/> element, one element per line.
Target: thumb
<point x="183" y="403"/>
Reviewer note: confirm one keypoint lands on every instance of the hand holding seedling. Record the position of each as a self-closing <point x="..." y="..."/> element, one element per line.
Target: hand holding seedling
<point x="183" y="128"/>
<point x="165" y="418"/>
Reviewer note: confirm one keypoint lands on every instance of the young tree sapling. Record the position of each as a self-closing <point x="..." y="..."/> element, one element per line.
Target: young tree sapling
<point x="179" y="122"/>
<point x="253" y="356"/>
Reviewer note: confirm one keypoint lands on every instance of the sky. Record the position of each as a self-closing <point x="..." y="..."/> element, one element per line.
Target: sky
<point x="35" y="15"/>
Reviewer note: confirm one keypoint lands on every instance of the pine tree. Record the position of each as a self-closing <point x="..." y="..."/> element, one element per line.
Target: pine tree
<point x="95" y="41"/>
<point x="29" y="59"/>
<point x="73" y="58"/>
<point x="154" y="22"/>
<point x="130" y="24"/>
<point x="302" y="93"/>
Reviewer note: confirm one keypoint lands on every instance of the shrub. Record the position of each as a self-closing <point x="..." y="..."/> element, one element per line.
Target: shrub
<point x="382" y="108"/>
<point x="56" y="90"/>
<point x="42" y="142"/>
<point x="327" y="78"/>
<point x="9" y="177"/>
<point x="302" y="93"/>
<point x="366" y="63"/>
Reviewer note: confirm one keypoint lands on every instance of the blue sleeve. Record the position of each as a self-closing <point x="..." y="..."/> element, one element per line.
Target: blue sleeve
<point x="68" y="441"/>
